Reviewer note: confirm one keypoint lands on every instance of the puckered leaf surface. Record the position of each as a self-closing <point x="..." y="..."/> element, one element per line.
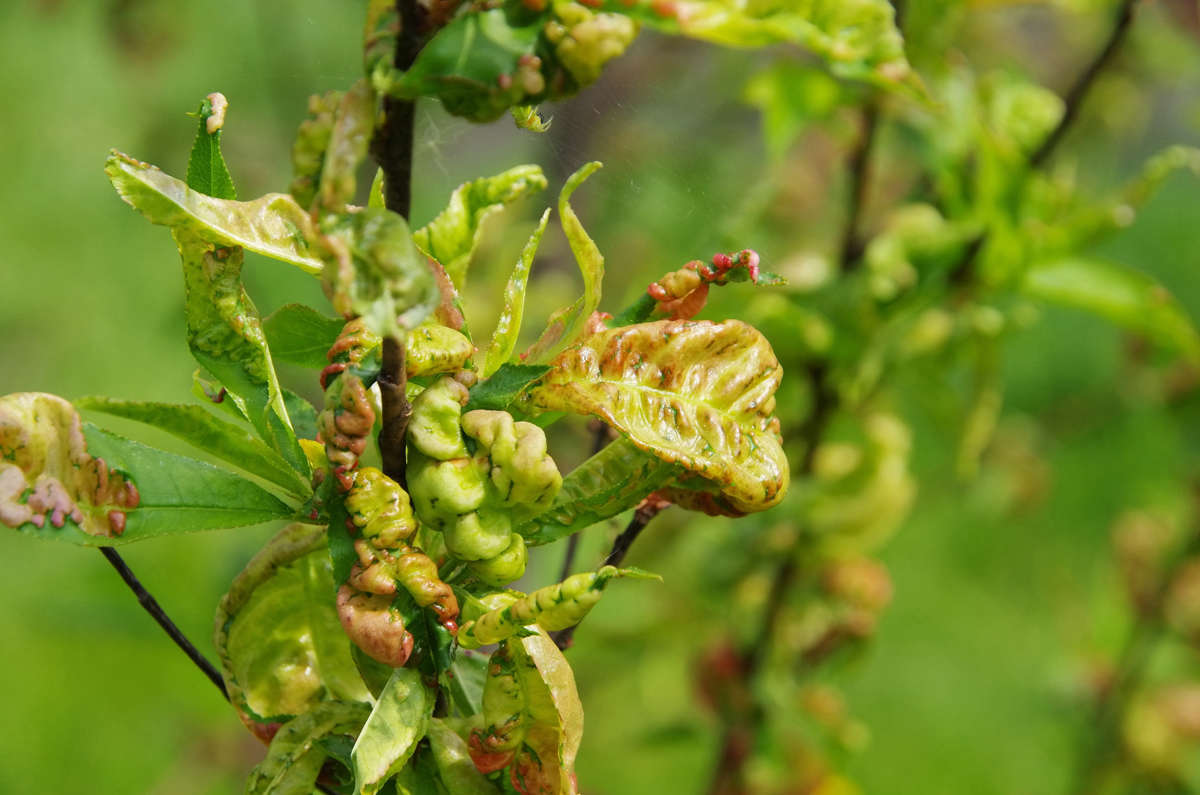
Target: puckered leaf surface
<point x="281" y="645"/>
<point x="696" y="394"/>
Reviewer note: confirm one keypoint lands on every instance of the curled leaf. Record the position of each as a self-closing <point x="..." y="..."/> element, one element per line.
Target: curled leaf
<point x="454" y="764"/>
<point x="508" y="325"/>
<point x="273" y="225"/>
<point x="696" y="394"/>
<point x="281" y="647"/>
<point x="297" y="750"/>
<point x="451" y="237"/>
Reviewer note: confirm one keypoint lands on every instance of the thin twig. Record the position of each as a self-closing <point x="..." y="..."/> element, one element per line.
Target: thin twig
<point x="151" y="606"/>
<point x="859" y="165"/>
<point x="649" y="508"/>
<point x="1078" y="92"/>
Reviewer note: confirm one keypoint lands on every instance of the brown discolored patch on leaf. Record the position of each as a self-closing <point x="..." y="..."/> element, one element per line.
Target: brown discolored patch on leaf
<point x="697" y="394"/>
<point x="47" y="474"/>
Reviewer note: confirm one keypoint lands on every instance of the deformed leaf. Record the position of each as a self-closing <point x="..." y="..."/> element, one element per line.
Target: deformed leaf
<point x="1129" y="298"/>
<point x="508" y="325"/>
<point x="298" y="749"/>
<point x="610" y="482"/>
<point x="60" y="478"/>
<point x="299" y="334"/>
<point x="692" y="393"/>
<point x="281" y="646"/>
<point x="353" y="124"/>
<point x="397" y="723"/>
<point x="202" y="430"/>
<point x="454" y="764"/>
<point x="451" y="237"/>
<point x="273" y="225"/>
<point x="207" y="172"/>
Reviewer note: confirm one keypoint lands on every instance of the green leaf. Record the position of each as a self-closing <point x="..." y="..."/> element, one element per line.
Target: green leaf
<point x="353" y="125"/>
<point x="61" y="478"/>
<point x="202" y="430"/>
<point x="209" y="391"/>
<point x="696" y="394"/>
<point x="508" y="325"/>
<point x="302" y="413"/>
<point x="375" y="271"/>
<point x="298" y="334"/>
<point x="1126" y="297"/>
<point x="565" y="325"/>
<point x="858" y="38"/>
<point x="207" y="172"/>
<point x="452" y="237"/>
<point x="297" y="750"/>
<point x="273" y="225"/>
<point x="397" y="723"/>
<point x="504" y="387"/>
<point x="454" y="764"/>
<point x="226" y="337"/>
<point x="609" y="483"/>
<point x="281" y="646"/>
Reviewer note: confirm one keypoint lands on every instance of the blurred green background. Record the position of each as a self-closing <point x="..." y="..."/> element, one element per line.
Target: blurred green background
<point x="1007" y="602"/>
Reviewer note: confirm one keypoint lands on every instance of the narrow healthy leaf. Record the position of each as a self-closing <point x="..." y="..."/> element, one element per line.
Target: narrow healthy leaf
<point x="207" y="172"/>
<point x="508" y="325"/>
<point x="281" y="645"/>
<point x="568" y="323"/>
<point x="302" y="414"/>
<point x="697" y="394"/>
<point x="273" y="225"/>
<point x="1122" y="295"/>
<point x="63" y="479"/>
<point x="298" y="749"/>
<point x="226" y="338"/>
<point x="298" y="334"/>
<point x="451" y="237"/>
<point x="391" y="734"/>
<point x="454" y="764"/>
<point x="609" y="483"/>
<point x="504" y="387"/>
<point x="202" y="430"/>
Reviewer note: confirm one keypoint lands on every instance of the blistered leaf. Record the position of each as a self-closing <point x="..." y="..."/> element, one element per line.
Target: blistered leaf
<point x="375" y="272"/>
<point x="696" y="394"/>
<point x="451" y="237"/>
<point x="297" y="750"/>
<point x="207" y="172"/>
<point x="74" y="482"/>
<point x="308" y="150"/>
<point x="504" y="387"/>
<point x="349" y="135"/>
<point x="397" y="723"/>
<point x="508" y="325"/>
<point x="567" y="323"/>
<point x="614" y="480"/>
<point x="225" y="336"/>
<point x="858" y="38"/>
<point x="298" y="334"/>
<point x="281" y="646"/>
<point x="273" y="225"/>
<point x="434" y="349"/>
<point x="1124" y="296"/>
<point x="214" y="436"/>
<point x="454" y="764"/>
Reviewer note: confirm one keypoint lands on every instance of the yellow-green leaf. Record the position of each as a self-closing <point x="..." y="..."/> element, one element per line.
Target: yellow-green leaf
<point x="391" y="734"/>
<point x="508" y="325"/>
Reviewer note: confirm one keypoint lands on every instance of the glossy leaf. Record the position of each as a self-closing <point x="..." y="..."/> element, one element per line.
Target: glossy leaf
<point x="45" y="449"/>
<point x="1124" y="296"/>
<point x="554" y="750"/>
<point x="299" y="334"/>
<point x="297" y="750"/>
<point x="696" y="394"/>
<point x="226" y="338"/>
<point x="203" y="431"/>
<point x="375" y="272"/>
<point x="452" y="237"/>
<point x="397" y="723"/>
<point x="568" y="323"/>
<point x="504" y="387"/>
<point x="611" y="482"/>
<point x="273" y="225"/>
<point x="508" y="325"/>
<point x="858" y="38"/>
<point x="207" y="172"/>
<point x="281" y="646"/>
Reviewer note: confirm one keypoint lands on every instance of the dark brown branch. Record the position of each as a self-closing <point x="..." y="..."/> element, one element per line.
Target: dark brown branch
<point x="859" y="166"/>
<point x="1079" y="91"/>
<point x="151" y="606"/>
<point x="393" y="378"/>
